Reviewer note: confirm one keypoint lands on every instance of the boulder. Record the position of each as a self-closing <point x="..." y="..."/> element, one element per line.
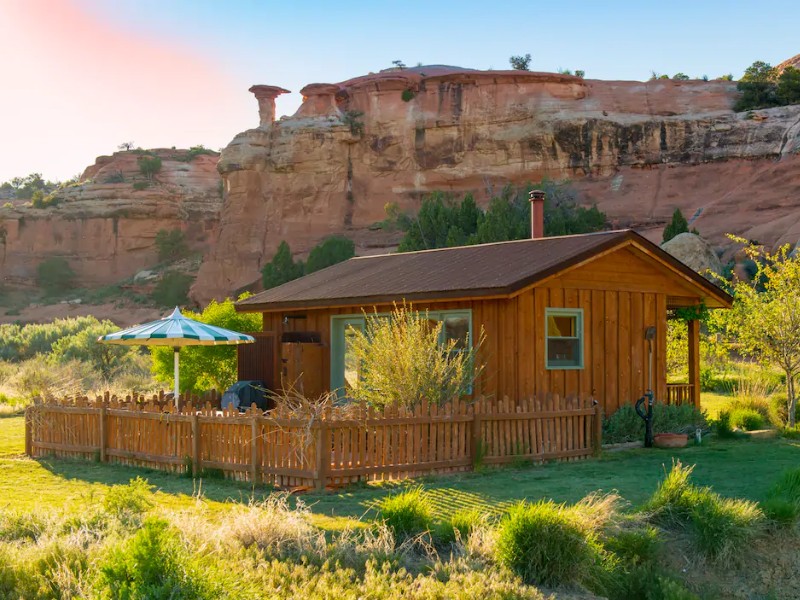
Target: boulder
<point x="695" y="252"/>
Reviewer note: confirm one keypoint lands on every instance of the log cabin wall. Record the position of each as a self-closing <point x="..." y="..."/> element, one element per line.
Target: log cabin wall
<point x="621" y="295"/>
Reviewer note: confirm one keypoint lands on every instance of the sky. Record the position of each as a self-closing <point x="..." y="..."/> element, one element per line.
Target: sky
<point x="80" y="77"/>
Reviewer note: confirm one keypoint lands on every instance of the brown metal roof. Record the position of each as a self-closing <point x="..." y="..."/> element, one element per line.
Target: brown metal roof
<point x="467" y="271"/>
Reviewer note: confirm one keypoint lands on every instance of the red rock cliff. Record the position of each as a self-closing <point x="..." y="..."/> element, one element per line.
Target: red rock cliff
<point x="104" y="227"/>
<point x="637" y="149"/>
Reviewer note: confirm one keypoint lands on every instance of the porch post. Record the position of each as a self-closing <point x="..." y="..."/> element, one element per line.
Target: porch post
<point x="694" y="360"/>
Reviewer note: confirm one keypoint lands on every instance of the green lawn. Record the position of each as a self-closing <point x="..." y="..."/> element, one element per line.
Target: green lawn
<point x="733" y="468"/>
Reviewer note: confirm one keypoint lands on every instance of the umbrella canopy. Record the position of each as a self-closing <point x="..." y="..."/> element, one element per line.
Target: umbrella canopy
<point x="176" y="331"/>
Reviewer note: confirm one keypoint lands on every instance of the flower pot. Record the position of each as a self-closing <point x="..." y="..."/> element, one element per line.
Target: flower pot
<point x="670" y="440"/>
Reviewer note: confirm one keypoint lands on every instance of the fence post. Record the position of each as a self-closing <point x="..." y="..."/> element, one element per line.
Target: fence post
<point x="195" y="445"/>
<point x="29" y="431"/>
<point x="103" y="434"/>
<point x="476" y="437"/>
<point x="323" y="456"/>
<point x="597" y="438"/>
<point x="255" y="467"/>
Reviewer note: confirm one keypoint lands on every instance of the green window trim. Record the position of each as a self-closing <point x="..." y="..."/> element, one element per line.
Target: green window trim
<point x="575" y="341"/>
<point x="339" y="323"/>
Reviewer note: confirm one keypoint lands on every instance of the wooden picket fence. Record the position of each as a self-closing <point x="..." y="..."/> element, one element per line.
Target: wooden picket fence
<point x="331" y="446"/>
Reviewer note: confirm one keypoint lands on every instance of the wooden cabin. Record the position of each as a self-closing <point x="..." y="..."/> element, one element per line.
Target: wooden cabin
<point x="567" y="315"/>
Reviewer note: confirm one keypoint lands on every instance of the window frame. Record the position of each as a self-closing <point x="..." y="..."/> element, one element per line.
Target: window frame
<point x="564" y="312"/>
<point x="337" y="340"/>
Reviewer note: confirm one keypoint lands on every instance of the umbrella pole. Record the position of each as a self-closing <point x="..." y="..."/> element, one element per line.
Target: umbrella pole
<point x="176" y="355"/>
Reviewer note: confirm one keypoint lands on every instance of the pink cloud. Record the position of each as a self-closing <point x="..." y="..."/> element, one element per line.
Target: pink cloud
<point x="75" y="86"/>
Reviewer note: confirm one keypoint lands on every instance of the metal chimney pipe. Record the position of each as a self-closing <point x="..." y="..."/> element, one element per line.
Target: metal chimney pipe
<point x="536" y="198"/>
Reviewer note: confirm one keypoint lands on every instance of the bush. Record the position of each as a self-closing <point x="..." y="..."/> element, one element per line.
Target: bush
<point x="746" y="419"/>
<point x="281" y="269"/>
<point x="55" y="276"/>
<point x="403" y="361"/>
<point x="408" y="513"/>
<point x="329" y="252"/>
<point x="172" y="289"/>
<point x="151" y="564"/>
<point x="149" y="166"/>
<point x="676" y="226"/>
<point x="116" y="177"/>
<point x="171" y="244"/>
<point x="520" y="63"/>
<point x="721" y="527"/>
<point x="128" y="503"/>
<point x="544" y="544"/>
<point x="626" y="425"/>
<point x="141" y="185"/>
<point x="407" y="95"/>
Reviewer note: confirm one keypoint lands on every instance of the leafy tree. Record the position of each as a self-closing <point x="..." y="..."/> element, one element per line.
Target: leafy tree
<point x="149" y="166"/>
<point x="443" y="223"/>
<point x="330" y="251"/>
<point x="680" y="77"/>
<point x="788" y="90"/>
<point x="83" y="346"/>
<point x="171" y="244"/>
<point x="172" y="289"/>
<point x="758" y="87"/>
<point x="54" y="275"/>
<point x="281" y="268"/>
<point x="520" y="63"/>
<point x="676" y="226"/>
<point x="25" y="187"/>
<point x="726" y="77"/>
<point x="766" y="324"/>
<point x="126" y="146"/>
<point x="206" y="367"/>
<point x="580" y="73"/>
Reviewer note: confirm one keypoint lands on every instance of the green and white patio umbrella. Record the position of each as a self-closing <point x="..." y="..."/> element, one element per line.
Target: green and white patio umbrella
<point x="176" y="331"/>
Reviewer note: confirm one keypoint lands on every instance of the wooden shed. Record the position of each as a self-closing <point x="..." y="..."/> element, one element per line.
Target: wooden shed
<point x="560" y="314"/>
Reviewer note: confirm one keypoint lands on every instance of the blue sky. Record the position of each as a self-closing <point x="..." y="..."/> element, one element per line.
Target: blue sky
<point x="292" y="44"/>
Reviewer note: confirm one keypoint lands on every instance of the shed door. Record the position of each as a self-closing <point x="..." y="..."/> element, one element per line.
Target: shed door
<point x="257" y="360"/>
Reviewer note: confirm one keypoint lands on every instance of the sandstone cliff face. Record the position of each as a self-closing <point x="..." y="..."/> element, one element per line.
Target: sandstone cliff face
<point x="636" y="149"/>
<point x="105" y="230"/>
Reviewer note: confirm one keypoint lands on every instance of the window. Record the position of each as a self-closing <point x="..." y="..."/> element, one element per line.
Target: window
<point x="345" y="372"/>
<point x="564" y="338"/>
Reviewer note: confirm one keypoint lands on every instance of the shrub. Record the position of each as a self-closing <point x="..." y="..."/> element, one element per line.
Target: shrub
<point x="352" y="118"/>
<point x="329" y="252"/>
<point x="171" y="244"/>
<point x="149" y="166"/>
<point x="407" y="95"/>
<point x="403" y="361"/>
<point x="172" y="289"/>
<point x="520" y="63"/>
<point x="151" y="564"/>
<point x="676" y="226"/>
<point x="281" y="269"/>
<point x="54" y="275"/>
<point x="747" y="419"/>
<point x="544" y="544"/>
<point x="274" y="529"/>
<point x="129" y="502"/>
<point x="625" y="425"/>
<point x="141" y="185"/>
<point x="408" y="513"/>
<point x="116" y="177"/>
<point x="721" y="527"/>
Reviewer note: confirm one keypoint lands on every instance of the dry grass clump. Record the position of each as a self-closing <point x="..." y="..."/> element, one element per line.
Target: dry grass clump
<point x="274" y="529"/>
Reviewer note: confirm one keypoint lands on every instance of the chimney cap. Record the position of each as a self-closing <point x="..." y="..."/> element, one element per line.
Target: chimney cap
<point x="535" y="195"/>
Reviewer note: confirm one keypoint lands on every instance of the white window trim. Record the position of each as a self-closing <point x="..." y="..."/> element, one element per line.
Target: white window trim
<point x="569" y="312"/>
